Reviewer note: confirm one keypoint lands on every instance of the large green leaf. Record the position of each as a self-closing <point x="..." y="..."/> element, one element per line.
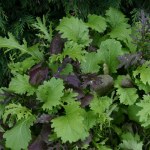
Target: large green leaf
<point x="97" y="23"/>
<point x="50" y="93"/>
<point x="109" y="50"/>
<point x="127" y="96"/>
<point x="20" y="85"/>
<point x="19" y="136"/>
<point x="75" y="30"/>
<point x="90" y="65"/>
<point x="70" y="127"/>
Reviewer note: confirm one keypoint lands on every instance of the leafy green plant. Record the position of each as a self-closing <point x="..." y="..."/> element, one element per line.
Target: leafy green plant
<point x="73" y="93"/>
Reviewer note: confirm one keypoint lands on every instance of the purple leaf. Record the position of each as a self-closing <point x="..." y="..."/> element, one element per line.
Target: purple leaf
<point x="56" y="45"/>
<point x="38" y="74"/>
<point x="129" y="60"/>
<point x="73" y="80"/>
<point x="86" y="100"/>
<point x="41" y="141"/>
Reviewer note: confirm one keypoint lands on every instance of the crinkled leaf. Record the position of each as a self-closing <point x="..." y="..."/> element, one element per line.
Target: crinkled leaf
<point x="75" y="30"/>
<point x="19" y="136"/>
<point x="115" y="17"/>
<point x="100" y="104"/>
<point x="70" y="127"/>
<point x="20" y="85"/>
<point x="130" y="141"/>
<point x="144" y="72"/>
<point x="97" y="23"/>
<point x="109" y="50"/>
<point x="144" y="113"/>
<point x="69" y="96"/>
<point x="20" y="112"/>
<point x="90" y="65"/>
<point x="50" y="93"/>
<point x="74" y="51"/>
<point x="127" y="96"/>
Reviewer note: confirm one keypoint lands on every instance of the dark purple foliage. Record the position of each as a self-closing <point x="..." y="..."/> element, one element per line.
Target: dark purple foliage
<point x="126" y="83"/>
<point x="86" y="100"/>
<point x="56" y="45"/>
<point x="72" y="80"/>
<point x="41" y="141"/>
<point x="129" y="60"/>
<point x="38" y="74"/>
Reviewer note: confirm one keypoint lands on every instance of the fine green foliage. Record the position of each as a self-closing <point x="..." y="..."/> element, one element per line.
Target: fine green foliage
<point x="12" y="43"/>
<point x="90" y="65"/>
<point x="50" y="93"/>
<point x="70" y="127"/>
<point x="108" y="52"/>
<point x="97" y="23"/>
<point x="75" y="30"/>
<point x="44" y="32"/>
<point x="16" y="110"/>
<point x="144" y="114"/>
<point x="20" y="85"/>
<point x="130" y="141"/>
<point x="19" y="136"/>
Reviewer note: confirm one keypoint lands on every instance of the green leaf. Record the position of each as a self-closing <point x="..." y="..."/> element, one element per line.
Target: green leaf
<point x="16" y="110"/>
<point x="20" y="85"/>
<point x="115" y="17"/>
<point x="127" y="96"/>
<point x="144" y="113"/>
<point x="69" y="96"/>
<point x="97" y="23"/>
<point x="74" y="51"/>
<point x="67" y="70"/>
<point x="22" y="67"/>
<point x="144" y="72"/>
<point x="41" y="26"/>
<point x="50" y="93"/>
<point x="109" y="50"/>
<point x="131" y="142"/>
<point x="142" y="86"/>
<point x="19" y="136"/>
<point x="12" y="43"/>
<point x="90" y="65"/>
<point x="70" y="127"/>
<point x="75" y="30"/>
<point x="100" y="104"/>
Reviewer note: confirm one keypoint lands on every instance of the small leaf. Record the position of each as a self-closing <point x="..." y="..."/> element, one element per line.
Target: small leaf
<point x="50" y="93"/>
<point x="144" y="113"/>
<point x="90" y="65"/>
<point x="97" y="23"/>
<point x="20" y="85"/>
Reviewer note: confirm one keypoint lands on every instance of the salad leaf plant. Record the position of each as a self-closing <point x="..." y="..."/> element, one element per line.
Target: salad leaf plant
<point x="88" y="90"/>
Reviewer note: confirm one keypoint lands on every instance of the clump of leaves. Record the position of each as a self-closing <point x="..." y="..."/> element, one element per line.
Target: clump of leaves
<point x="78" y="91"/>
